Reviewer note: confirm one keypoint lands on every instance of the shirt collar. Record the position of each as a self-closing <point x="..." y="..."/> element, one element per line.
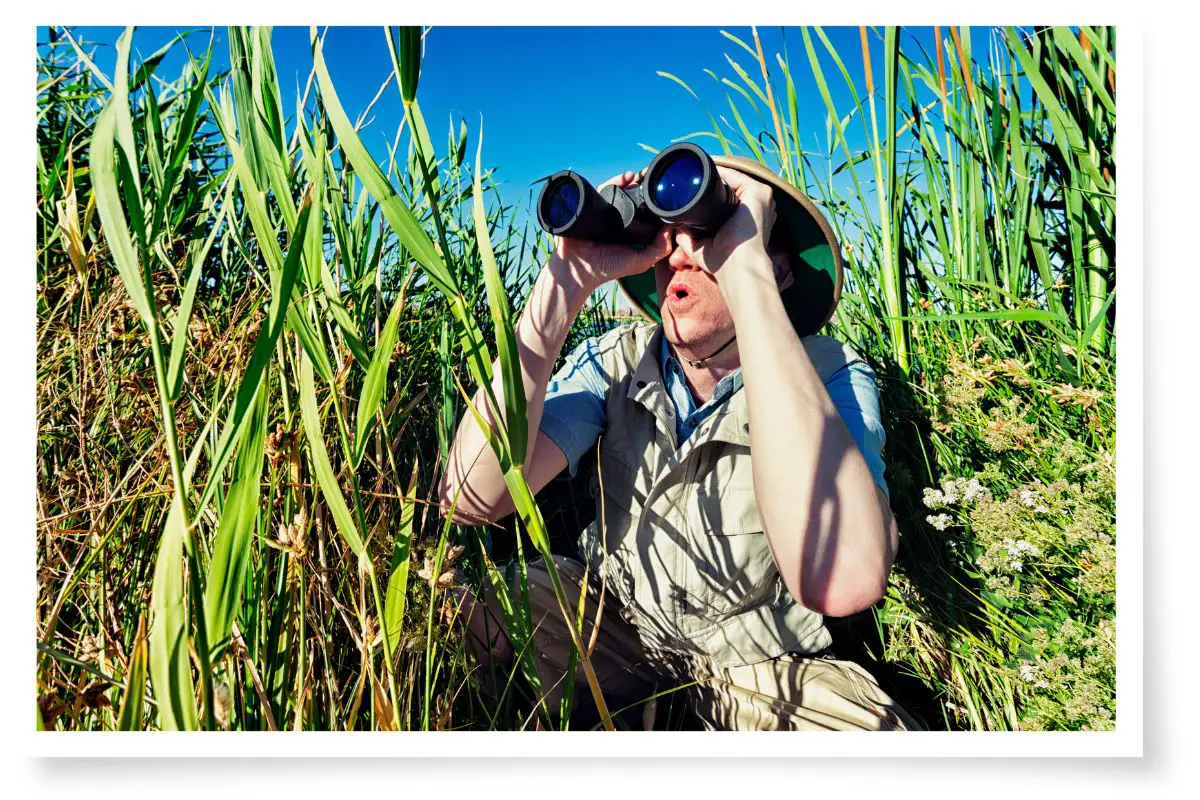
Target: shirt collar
<point x="672" y="371"/>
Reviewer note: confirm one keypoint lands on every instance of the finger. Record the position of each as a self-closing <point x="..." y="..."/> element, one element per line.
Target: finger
<point x="621" y="180"/>
<point x="732" y="177"/>
<point x="740" y="182"/>
<point x="660" y="247"/>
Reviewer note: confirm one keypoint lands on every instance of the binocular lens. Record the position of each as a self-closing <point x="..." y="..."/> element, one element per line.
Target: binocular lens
<point x="676" y="183"/>
<point x="562" y="203"/>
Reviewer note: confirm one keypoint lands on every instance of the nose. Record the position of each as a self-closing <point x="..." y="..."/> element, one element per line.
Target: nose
<point x="679" y="260"/>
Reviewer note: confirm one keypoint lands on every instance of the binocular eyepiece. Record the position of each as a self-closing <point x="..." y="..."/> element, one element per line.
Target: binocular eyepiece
<point x="681" y="187"/>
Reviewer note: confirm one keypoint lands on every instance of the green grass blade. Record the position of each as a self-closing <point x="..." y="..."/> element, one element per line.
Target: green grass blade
<point x="516" y="421"/>
<point x="397" y="586"/>
<point x="1066" y="133"/>
<point x="260" y="356"/>
<point x="239" y="517"/>
<point x="133" y="700"/>
<point x="1098" y="319"/>
<point x="198" y="255"/>
<point x="151" y="123"/>
<point x="410" y="233"/>
<point x="376" y="380"/>
<point x="112" y="217"/>
<point x="244" y="107"/>
<point x="170" y="670"/>
<point x="1067" y="41"/>
<point x="1012" y="315"/>
<point x="181" y="143"/>
<point x="337" y="309"/>
<point x="326" y="478"/>
<point x="716" y="128"/>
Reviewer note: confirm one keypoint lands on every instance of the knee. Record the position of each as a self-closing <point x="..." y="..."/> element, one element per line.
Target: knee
<point x="483" y="628"/>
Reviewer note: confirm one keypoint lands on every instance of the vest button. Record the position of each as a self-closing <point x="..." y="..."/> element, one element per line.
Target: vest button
<point x="641" y="384"/>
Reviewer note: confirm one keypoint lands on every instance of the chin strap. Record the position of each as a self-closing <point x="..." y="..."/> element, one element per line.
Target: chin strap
<point x="703" y="362"/>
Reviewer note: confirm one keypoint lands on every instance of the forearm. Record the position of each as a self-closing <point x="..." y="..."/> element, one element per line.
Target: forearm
<point x="828" y="524"/>
<point x="558" y="295"/>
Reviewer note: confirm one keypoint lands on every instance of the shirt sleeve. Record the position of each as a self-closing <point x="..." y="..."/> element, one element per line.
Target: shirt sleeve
<point x="574" y="415"/>
<point x="856" y="398"/>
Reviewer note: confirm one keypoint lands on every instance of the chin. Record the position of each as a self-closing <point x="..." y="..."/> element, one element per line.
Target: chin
<point x="690" y="331"/>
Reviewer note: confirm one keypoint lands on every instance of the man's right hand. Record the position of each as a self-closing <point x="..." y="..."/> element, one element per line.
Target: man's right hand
<point x="594" y="264"/>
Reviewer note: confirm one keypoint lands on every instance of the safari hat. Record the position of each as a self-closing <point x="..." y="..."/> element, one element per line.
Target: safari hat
<point x="801" y="231"/>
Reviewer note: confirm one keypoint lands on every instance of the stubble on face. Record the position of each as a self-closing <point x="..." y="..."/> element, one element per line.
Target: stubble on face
<point x="698" y="329"/>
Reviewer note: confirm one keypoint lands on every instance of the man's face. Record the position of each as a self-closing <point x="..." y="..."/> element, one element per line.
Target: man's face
<point x="695" y="316"/>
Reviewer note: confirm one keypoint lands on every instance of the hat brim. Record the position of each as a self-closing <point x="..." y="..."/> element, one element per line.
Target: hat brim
<point x="800" y="229"/>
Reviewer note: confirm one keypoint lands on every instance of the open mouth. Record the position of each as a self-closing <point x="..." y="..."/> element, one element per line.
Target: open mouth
<point x="679" y="295"/>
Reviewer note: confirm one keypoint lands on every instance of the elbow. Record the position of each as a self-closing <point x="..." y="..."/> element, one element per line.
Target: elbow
<point x="843" y="600"/>
<point x="840" y="591"/>
<point x="448" y="493"/>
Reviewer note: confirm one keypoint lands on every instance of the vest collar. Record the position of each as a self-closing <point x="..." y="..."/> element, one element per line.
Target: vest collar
<point x="645" y="386"/>
<point x="729" y="423"/>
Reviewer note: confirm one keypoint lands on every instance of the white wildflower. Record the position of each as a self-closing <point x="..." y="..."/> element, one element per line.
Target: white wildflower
<point x="941" y="521"/>
<point x="1041" y="685"/>
<point x="1029" y="672"/>
<point x="972" y="491"/>
<point x="1015" y="566"/>
<point x="1029" y="498"/>
<point x="934" y="499"/>
<point x="1021" y="546"/>
<point x="1041" y="509"/>
<point x="950" y="491"/>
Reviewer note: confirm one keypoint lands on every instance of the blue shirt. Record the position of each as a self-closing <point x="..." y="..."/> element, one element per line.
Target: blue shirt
<point x="574" y="414"/>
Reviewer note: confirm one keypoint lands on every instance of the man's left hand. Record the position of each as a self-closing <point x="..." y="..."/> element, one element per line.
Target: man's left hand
<point x="741" y="243"/>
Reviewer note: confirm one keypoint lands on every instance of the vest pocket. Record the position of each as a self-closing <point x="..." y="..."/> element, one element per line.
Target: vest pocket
<point x="733" y="570"/>
<point x="619" y="506"/>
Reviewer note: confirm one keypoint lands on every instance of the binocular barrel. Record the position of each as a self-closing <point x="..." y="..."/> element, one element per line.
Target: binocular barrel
<point x="681" y="187"/>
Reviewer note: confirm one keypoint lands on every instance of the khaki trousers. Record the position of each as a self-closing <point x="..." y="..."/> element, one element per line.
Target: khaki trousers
<point x="784" y="693"/>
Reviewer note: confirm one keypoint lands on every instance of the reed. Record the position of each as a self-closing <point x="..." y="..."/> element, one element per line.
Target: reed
<point x="255" y="341"/>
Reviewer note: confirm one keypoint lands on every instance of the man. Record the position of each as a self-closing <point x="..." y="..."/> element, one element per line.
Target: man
<point x="716" y="568"/>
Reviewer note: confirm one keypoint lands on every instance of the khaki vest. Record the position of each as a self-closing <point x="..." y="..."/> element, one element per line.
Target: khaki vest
<point x="683" y="545"/>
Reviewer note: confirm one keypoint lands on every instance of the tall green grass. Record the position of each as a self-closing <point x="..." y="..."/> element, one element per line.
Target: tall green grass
<point x="281" y="592"/>
<point x="255" y="342"/>
<point x="978" y="228"/>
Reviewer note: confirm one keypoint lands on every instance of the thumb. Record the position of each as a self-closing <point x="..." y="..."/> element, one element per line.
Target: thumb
<point x="659" y="248"/>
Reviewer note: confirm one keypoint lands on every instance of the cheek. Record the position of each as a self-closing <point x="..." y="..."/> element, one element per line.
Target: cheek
<point x="662" y="277"/>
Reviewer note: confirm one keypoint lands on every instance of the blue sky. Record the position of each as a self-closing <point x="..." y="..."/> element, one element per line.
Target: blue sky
<point x="555" y="97"/>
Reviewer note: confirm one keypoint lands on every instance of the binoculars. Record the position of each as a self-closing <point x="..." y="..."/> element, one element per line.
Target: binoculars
<point x="681" y="187"/>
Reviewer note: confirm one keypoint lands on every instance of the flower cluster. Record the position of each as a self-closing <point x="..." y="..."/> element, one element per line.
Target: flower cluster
<point x="953" y="492"/>
<point x="1017" y="550"/>
<point x="1007" y="428"/>
<point x="962" y="492"/>
<point x="1067" y="677"/>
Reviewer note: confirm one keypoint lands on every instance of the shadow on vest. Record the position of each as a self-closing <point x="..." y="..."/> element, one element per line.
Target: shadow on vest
<point x="947" y="608"/>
